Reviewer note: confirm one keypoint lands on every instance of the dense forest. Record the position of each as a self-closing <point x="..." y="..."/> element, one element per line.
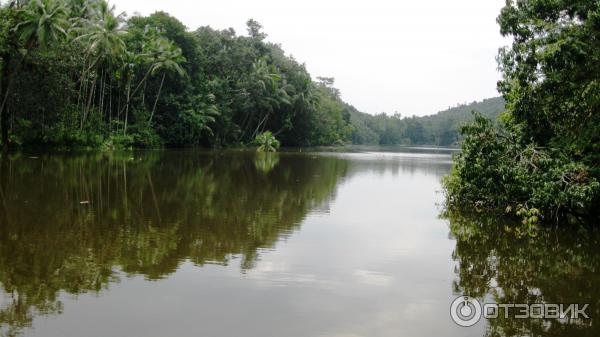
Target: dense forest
<point x="75" y="73"/>
<point x="544" y="163"/>
<point x="441" y="129"/>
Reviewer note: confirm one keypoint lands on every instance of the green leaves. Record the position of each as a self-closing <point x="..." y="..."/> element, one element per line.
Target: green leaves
<point x="546" y="165"/>
<point x="165" y="56"/>
<point x="103" y="33"/>
<point x="42" y="22"/>
<point x="548" y="69"/>
<point x="267" y="142"/>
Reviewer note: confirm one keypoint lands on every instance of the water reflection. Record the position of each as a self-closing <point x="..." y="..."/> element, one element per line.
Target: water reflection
<point x="560" y="265"/>
<point x="188" y="243"/>
<point x="68" y="222"/>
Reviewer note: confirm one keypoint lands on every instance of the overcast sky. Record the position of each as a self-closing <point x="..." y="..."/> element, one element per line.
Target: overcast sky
<point x="415" y="57"/>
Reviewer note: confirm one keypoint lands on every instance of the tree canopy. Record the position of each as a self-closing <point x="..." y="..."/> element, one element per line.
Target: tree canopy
<point x="545" y="164"/>
<point x="75" y="73"/>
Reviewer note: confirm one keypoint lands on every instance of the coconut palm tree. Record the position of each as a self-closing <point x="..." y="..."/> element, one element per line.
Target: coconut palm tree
<point x="42" y="22"/>
<point x="103" y="35"/>
<point x="130" y="61"/>
<point x="168" y="59"/>
<point x="271" y="94"/>
<point x="150" y="52"/>
<point x="80" y="11"/>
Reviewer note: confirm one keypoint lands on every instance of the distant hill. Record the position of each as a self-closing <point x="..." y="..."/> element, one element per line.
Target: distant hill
<point x="441" y="129"/>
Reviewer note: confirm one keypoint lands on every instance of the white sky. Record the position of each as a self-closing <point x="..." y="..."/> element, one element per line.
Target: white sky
<point x="415" y="57"/>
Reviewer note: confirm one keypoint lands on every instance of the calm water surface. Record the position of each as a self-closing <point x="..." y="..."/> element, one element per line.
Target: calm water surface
<point x="190" y="243"/>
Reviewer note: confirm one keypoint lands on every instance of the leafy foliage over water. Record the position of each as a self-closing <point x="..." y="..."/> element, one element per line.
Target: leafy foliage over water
<point x="267" y="142"/>
<point x="548" y="158"/>
<point x="76" y="73"/>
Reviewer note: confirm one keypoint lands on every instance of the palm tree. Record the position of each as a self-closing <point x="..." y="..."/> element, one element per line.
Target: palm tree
<point x="103" y="35"/>
<point x="39" y="24"/>
<point x="129" y="63"/>
<point x="147" y="56"/>
<point x="271" y="94"/>
<point x="168" y="59"/>
<point x="42" y="23"/>
<point x="267" y="142"/>
<point x="80" y="11"/>
<point x="303" y="99"/>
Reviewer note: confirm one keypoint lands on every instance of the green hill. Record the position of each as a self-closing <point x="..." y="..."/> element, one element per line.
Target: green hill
<point x="440" y="129"/>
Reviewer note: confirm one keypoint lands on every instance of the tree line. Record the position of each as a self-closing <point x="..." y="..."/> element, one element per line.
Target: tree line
<point x="75" y="73"/>
<point x="441" y="129"/>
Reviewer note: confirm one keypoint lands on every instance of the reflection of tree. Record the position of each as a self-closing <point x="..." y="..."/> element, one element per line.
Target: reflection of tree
<point x="558" y="266"/>
<point x="67" y="222"/>
<point x="266" y="161"/>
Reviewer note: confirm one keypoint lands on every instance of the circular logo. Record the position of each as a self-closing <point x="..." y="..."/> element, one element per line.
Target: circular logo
<point x="465" y="311"/>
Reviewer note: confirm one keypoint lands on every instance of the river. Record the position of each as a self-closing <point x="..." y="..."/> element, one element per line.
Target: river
<point x="236" y="243"/>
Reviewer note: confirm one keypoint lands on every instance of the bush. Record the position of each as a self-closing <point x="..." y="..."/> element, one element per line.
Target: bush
<point x="144" y="135"/>
<point x="495" y="171"/>
<point x="267" y="142"/>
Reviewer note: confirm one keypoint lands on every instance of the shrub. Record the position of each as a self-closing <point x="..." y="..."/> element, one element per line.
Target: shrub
<point x="495" y="171"/>
<point x="267" y="142"/>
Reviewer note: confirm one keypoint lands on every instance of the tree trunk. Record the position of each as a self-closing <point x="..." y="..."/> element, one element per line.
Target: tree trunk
<point x="143" y="81"/>
<point x="157" y="96"/>
<point x="144" y="96"/>
<point x="118" y="116"/>
<point x="103" y="95"/>
<point x="127" y="106"/>
<point x="256" y="132"/>
<point x="245" y="124"/>
<point x="89" y="104"/>
<point x="5" y="85"/>
<point x="110" y="105"/>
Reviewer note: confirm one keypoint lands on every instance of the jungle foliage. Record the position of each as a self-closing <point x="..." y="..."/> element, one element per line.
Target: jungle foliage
<point x="544" y="163"/>
<point x="76" y="73"/>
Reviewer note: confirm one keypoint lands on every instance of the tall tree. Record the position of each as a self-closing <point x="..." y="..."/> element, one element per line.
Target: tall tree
<point x="103" y="34"/>
<point x="168" y="59"/>
<point x="548" y="161"/>
<point x="38" y="24"/>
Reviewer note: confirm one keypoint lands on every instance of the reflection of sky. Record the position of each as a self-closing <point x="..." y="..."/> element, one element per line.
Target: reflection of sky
<point x="377" y="263"/>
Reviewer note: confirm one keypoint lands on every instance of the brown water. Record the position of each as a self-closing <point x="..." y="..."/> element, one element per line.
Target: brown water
<point x="190" y="243"/>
